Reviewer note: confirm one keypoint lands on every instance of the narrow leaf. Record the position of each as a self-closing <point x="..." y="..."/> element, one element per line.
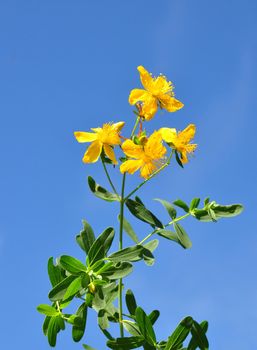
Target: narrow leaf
<point x="181" y="204"/>
<point x="59" y="290"/>
<point x="86" y="237"/>
<point x="169" y="207"/>
<point x="73" y="288"/>
<point x="143" y="214"/>
<point x="145" y="326"/>
<point x="71" y="264"/>
<point x="153" y="316"/>
<point x="125" y="343"/>
<point x="194" y="203"/>
<point x="101" y="192"/>
<point x="101" y="246"/>
<point x="54" y="272"/>
<point x="129" y="230"/>
<point x="127" y="254"/>
<point x="131" y="302"/>
<point x="78" y="330"/>
<point x="199" y="336"/>
<point x="47" y="310"/>
<point x="180" y="334"/>
<point x="182" y="236"/>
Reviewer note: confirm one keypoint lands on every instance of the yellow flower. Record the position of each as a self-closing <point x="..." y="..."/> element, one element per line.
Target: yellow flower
<point x="180" y="141"/>
<point x="148" y="156"/>
<point x="102" y="139"/>
<point x="157" y="90"/>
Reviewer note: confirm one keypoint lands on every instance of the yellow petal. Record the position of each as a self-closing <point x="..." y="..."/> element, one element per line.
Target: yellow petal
<point x="170" y="103"/>
<point x="184" y="158"/>
<point x="154" y="147"/>
<point x="146" y="78"/>
<point x="147" y="169"/>
<point x="118" y="126"/>
<point x="108" y="150"/>
<point x="132" y="150"/>
<point x="130" y="166"/>
<point x="168" y="134"/>
<point x="82" y="136"/>
<point x="137" y="95"/>
<point x="149" y="108"/>
<point x="187" y="134"/>
<point x="93" y="152"/>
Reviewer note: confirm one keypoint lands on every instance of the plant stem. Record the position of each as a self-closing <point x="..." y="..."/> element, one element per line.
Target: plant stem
<point x="120" y="247"/>
<point x="150" y="177"/>
<point x="135" y="126"/>
<point x="109" y="178"/>
<point x="122" y="202"/>
<point x="168" y="224"/>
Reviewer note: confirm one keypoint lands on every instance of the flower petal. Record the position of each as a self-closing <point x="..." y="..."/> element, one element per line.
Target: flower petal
<point x="108" y="150"/>
<point x="93" y="152"/>
<point x="154" y="147"/>
<point x="82" y="136"/>
<point x="147" y="169"/>
<point x="168" y="134"/>
<point x="137" y="95"/>
<point x="146" y="78"/>
<point x="118" y="126"/>
<point x="187" y="134"/>
<point x="132" y="150"/>
<point x="149" y="108"/>
<point x="130" y="166"/>
<point x="170" y="103"/>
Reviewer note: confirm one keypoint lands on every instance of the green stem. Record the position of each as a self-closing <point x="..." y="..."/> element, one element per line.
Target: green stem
<point x="168" y="224"/>
<point x="150" y="177"/>
<point x="122" y="202"/>
<point x="135" y="126"/>
<point x="109" y="178"/>
<point x="120" y="247"/>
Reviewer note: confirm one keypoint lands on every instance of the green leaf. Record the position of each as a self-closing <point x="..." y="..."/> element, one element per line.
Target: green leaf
<point x="129" y="230"/>
<point x="87" y="347"/>
<point x="73" y="288"/>
<point x="101" y="192"/>
<point x="101" y="246"/>
<point x="194" y="203"/>
<point x="151" y="245"/>
<point x="169" y="207"/>
<point x="182" y="236"/>
<point x="198" y="336"/>
<point x="178" y="159"/>
<point x="227" y="211"/>
<point x="78" y="330"/>
<point x="153" y="316"/>
<point x="125" y="343"/>
<point x="102" y="319"/>
<point x="127" y="254"/>
<point x="45" y="324"/>
<point x="53" y="329"/>
<point x="71" y="264"/>
<point x="54" y="272"/>
<point x="181" y="204"/>
<point x="47" y="310"/>
<point x="57" y="293"/>
<point x="115" y="271"/>
<point x="180" y="334"/>
<point x="148" y="257"/>
<point x="139" y="211"/>
<point x="104" y="296"/>
<point x="131" y="302"/>
<point x="145" y="326"/>
<point x="132" y="328"/>
<point x="172" y="236"/>
<point x="86" y="237"/>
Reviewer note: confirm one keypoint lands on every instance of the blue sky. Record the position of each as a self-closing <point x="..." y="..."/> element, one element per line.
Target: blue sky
<point x="69" y="65"/>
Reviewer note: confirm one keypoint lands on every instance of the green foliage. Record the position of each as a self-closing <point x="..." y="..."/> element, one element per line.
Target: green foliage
<point x="101" y="192"/>
<point x="86" y="237"/>
<point x="142" y="213"/>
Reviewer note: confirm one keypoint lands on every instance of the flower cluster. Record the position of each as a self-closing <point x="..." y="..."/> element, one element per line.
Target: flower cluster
<point x="142" y="152"/>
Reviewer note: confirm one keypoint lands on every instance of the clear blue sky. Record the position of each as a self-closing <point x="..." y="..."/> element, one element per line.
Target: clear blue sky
<point x="69" y="65"/>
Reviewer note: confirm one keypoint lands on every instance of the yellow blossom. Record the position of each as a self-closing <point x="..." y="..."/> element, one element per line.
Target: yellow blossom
<point x="148" y="156"/>
<point x="102" y="139"/>
<point x="180" y="141"/>
<point x="157" y="90"/>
